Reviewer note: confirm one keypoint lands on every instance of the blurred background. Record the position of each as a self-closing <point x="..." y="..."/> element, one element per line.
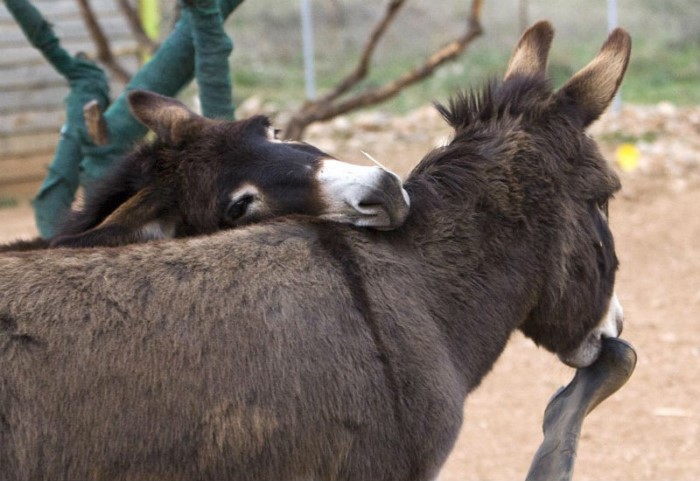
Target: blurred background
<point x="268" y="64"/>
<point x="650" y="430"/>
<point x="268" y="56"/>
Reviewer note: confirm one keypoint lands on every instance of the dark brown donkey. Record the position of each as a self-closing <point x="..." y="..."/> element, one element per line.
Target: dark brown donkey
<point x="301" y="349"/>
<point x="202" y="175"/>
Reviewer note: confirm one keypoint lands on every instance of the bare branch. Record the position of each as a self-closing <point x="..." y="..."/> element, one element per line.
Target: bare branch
<point x="95" y="123"/>
<point x="524" y="14"/>
<point x="362" y="67"/>
<point x="132" y="19"/>
<point x="104" y="52"/>
<point x="329" y="106"/>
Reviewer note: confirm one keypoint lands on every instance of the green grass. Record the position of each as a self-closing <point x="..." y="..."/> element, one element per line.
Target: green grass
<point x="656" y="73"/>
<point x="286" y="85"/>
<point x="618" y="137"/>
<point x="671" y="74"/>
<point x="8" y="202"/>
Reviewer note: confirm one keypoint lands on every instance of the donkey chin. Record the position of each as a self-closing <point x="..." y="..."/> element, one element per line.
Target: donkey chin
<point x="589" y="350"/>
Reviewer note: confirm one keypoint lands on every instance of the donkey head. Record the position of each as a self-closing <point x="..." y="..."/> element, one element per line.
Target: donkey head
<point x="202" y="175"/>
<point x="577" y="306"/>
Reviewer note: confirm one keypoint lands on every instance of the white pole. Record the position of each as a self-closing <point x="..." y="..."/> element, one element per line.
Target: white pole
<point x="612" y="15"/>
<point x="612" y="24"/>
<point x="307" y="35"/>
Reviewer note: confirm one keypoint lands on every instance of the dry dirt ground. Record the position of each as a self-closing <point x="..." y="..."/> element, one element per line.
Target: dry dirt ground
<point x="649" y="430"/>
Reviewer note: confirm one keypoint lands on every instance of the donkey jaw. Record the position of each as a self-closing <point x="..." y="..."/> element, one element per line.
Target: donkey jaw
<point x="589" y="350"/>
<point x="362" y="196"/>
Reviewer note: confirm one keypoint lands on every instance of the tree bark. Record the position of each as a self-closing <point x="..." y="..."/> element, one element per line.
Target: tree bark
<point x="104" y="50"/>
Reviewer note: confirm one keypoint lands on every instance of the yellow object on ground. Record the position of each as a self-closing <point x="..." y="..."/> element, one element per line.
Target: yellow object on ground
<point x="627" y="157"/>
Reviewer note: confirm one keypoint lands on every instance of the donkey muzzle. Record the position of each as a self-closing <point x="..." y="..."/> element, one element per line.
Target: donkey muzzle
<point x="610" y="326"/>
<point x="362" y="196"/>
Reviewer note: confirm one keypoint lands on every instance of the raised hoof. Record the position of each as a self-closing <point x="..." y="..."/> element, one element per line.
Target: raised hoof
<point x="593" y="384"/>
<point x="563" y="417"/>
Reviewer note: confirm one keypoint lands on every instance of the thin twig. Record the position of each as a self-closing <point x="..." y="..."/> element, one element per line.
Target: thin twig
<point x="362" y="67"/>
<point x="137" y="30"/>
<point x="330" y="106"/>
<point x="104" y="52"/>
<point x="445" y="54"/>
<point x="95" y="123"/>
<point x="378" y="164"/>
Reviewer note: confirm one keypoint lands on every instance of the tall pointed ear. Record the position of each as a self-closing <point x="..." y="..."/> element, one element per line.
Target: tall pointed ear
<point x="143" y="217"/>
<point x="530" y="54"/>
<point x="170" y="119"/>
<point x="592" y="89"/>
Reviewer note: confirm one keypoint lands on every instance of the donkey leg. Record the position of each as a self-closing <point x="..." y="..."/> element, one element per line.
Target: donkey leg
<point x="563" y="417"/>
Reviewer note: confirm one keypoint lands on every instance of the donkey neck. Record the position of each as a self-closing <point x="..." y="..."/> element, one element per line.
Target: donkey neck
<point x="477" y="250"/>
<point x="469" y="198"/>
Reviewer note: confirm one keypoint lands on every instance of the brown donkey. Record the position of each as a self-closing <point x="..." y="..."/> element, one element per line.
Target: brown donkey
<point x="203" y="175"/>
<point x="301" y="349"/>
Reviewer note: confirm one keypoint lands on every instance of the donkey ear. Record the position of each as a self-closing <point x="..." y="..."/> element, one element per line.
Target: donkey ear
<point x="170" y="119"/>
<point x="592" y="89"/>
<point x="530" y="54"/>
<point x="141" y="218"/>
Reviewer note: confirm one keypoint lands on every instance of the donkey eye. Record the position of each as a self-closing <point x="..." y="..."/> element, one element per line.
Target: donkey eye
<point x="238" y="208"/>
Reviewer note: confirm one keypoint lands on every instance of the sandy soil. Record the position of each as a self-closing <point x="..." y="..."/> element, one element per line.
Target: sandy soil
<point x="649" y="430"/>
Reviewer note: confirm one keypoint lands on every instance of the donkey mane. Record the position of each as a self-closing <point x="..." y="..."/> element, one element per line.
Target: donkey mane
<point x="127" y="177"/>
<point x="475" y="168"/>
<point x="490" y="160"/>
<point x="521" y="95"/>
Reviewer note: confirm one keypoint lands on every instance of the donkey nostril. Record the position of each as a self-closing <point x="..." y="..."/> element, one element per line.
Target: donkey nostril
<point x="369" y="205"/>
<point x="371" y="202"/>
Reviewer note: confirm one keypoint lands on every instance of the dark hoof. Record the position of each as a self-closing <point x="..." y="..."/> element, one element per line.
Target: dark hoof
<point x="593" y="384"/>
<point x="565" y="412"/>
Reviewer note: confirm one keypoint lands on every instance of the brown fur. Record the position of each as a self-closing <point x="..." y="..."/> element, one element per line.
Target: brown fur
<point x="179" y="184"/>
<point x="530" y="55"/>
<point x="298" y="349"/>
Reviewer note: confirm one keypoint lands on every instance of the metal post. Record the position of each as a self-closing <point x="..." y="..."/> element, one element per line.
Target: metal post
<point x="307" y="35"/>
<point x="612" y="24"/>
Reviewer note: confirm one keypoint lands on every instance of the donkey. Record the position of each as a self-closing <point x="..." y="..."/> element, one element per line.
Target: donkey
<point x="299" y="348"/>
<point x="203" y="175"/>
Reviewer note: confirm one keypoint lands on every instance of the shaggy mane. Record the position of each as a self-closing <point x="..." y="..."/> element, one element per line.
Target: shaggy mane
<point x="521" y="95"/>
<point x="474" y="166"/>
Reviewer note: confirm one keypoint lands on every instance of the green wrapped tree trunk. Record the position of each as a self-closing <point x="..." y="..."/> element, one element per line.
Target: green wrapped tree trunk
<point x="212" y="49"/>
<point x="167" y="73"/>
<point x="87" y="82"/>
<point x="77" y="159"/>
